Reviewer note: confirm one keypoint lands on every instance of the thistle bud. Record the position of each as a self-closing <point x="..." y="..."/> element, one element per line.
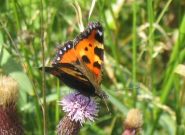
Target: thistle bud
<point x="133" y="122"/>
<point x="9" y="121"/>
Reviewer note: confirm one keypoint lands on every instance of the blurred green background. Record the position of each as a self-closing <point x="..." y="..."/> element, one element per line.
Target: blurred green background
<point x="144" y="65"/>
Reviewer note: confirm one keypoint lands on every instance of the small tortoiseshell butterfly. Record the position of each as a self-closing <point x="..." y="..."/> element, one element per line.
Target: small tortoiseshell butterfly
<point x="78" y="63"/>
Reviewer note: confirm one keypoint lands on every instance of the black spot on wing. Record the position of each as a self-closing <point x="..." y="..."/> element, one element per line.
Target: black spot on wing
<point x="77" y="62"/>
<point x="99" y="52"/>
<point x="90" y="45"/>
<point x="85" y="59"/>
<point x="86" y="49"/>
<point x="97" y="65"/>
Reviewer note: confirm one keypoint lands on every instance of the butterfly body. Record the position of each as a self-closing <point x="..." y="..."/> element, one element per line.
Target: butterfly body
<point x="78" y="63"/>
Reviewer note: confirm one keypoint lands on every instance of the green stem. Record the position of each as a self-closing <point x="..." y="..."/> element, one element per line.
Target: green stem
<point x="134" y="47"/>
<point x="43" y="69"/>
<point x="151" y="39"/>
<point x="57" y="106"/>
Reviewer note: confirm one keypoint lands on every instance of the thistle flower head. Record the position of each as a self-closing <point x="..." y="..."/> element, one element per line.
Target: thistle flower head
<point x="79" y="108"/>
<point x="8" y="91"/>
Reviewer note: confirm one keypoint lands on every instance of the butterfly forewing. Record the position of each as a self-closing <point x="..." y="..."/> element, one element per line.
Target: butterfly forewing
<point x="91" y="52"/>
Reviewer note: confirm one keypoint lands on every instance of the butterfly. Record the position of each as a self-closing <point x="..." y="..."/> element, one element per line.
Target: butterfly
<point x="78" y="63"/>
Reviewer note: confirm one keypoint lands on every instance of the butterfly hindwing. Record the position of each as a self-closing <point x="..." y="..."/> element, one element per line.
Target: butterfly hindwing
<point x="72" y="78"/>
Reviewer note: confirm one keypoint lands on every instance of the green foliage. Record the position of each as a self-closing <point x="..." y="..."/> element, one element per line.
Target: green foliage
<point x="144" y="43"/>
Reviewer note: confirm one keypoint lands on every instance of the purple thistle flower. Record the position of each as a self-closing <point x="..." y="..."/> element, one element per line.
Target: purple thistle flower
<point x="79" y="108"/>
